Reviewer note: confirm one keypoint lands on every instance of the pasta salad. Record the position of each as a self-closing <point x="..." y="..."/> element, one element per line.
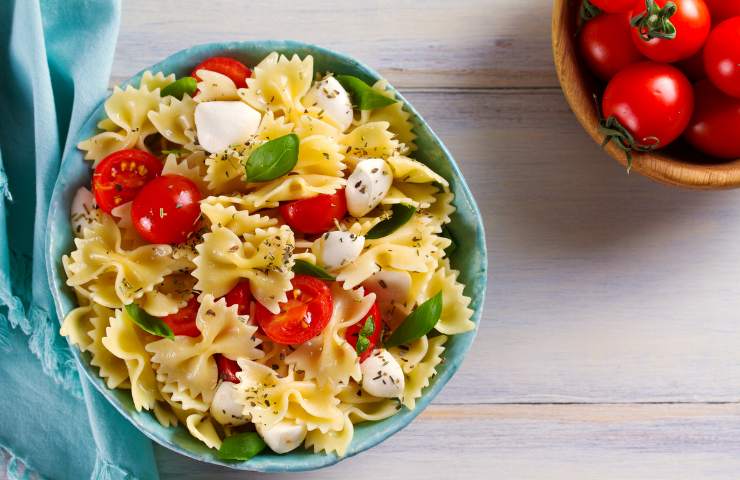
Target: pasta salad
<point x="260" y="258"/>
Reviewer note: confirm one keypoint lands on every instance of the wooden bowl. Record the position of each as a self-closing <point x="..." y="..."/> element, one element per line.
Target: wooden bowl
<point x="678" y="165"/>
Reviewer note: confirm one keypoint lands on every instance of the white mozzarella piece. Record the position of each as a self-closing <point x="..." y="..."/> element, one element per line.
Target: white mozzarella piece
<point x="330" y="96"/>
<point x="336" y="249"/>
<point x="83" y="210"/>
<point x="391" y="289"/>
<point x="282" y="437"/>
<point x="367" y="186"/>
<point x="221" y="124"/>
<point x="382" y="376"/>
<point x="224" y="408"/>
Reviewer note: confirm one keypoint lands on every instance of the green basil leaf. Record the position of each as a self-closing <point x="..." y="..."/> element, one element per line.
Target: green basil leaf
<point x="401" y="213"/>
<point x="303" y="267"/>
<point x="180" y="87"/>
<point x="273" y="159"/>
<point x="148" y="323"/>
<point x="363" y="95"/>
<point x="419" y="322"/>
<point x="241" y="446"/>
<point x="363" y="339"/>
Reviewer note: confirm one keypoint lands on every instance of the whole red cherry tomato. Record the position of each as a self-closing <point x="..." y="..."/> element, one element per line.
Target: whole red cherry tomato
<point x="715" y="126"/>
<point x="616" y="6"/>
<point x="650" y="103"/>
<point x="671" y="30"/>
<point x="315" y="214"/>
<point x="606" y="46"/>
<point x="305" y="314"/>
<point x="232" y="68"/>
<point x="119" y="177"/>
<point x="166" y="209"/>
<point x="240" y="295"/>
<point x="227" y="369"/>
<point x="722" y="56"/>
<point x="353" y="332"/>
<point x="182" y="322"/>
<point x="721" y="10"/>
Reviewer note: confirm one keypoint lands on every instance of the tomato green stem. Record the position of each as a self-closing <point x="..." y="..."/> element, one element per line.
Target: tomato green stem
<point x="588" y="11"/>
<point x="655" y="22"/>
<point x="614" y="131"/>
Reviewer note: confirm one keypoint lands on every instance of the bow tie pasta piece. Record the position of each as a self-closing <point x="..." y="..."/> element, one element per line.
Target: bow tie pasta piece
<point x="168" y="296"/>
<point x="407" y="169"/>
<point x="189" y="362"/>
<point x="126" y="341"/>
<point x="308" y="124"/>
<point x="215" y="86"/>
<point x="201" y="427"/>
<point x="329" y="358"/>
<point x="192" y="171"/>
<point x="179" y="394"/>
<point x="265" y="258"/>
<point x="371" y="140"/>
<point x="455" y="317"/>
<point x="397" y="118"/>
<point x="278" y="84"/>
<point x="418" y="374"/>
<point x="268" y="399"/>
<point x="99" y="252"/>
<point x="175" y="121"/>
<point x="127" y="110"/>
<point x="225" y="170"/>
<point x="155" y="81"/>
<point x="238" y="221"/>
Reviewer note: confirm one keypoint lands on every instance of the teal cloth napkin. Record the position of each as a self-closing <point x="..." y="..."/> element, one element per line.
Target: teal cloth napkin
<point x="55" y="63"/>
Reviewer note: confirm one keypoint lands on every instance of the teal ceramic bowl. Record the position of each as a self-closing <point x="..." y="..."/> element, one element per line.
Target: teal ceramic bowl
<point x="466" y="227"/>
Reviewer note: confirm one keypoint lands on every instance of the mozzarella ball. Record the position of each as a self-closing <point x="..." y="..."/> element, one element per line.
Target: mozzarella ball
<point x="83" y="210"/>
<point x="225" y="409"/>
<point x="282" y="437"/>
<point x="367" y="186"/>
<point x="382" y="376"/>
<point x="330" y="96"/>
<point x="336" y="249"/>
<point x="221" y="124"/>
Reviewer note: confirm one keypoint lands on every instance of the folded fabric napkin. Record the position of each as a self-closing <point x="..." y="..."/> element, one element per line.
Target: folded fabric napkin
<point x="55" y="63"/>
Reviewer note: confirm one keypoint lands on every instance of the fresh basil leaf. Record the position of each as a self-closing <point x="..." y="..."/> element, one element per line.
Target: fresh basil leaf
<point x="303" y="267"/>
<point x="148" y="323"/>
<point x="419" y="322"/>
<point x="401" y="213"/>
<point x="273" y="159"/>
<point x="180" y="87"/>
<point x="363" y="95"/>
<point x="241" y="446"/>
<point x="363" y="339"/>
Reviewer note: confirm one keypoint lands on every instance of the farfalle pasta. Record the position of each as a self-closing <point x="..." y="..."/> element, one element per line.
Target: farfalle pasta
<point x="261" y="256"/>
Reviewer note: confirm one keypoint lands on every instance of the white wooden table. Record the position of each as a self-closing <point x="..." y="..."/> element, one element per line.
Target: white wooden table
<point x="610" y="342"/>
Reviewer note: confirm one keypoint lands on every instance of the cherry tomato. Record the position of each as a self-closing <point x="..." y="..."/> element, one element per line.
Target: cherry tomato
<point x="305" y="314"/>
<point x="182" y="322"/>
<point x="240" y="295"/>
<point x="616" y="6"/>
<point x="232" y="68"/>
<point x="652" y="101"/>
<point x="119" y="177"/>
<point x="227" y="369"/>
<point x="315" y="214"/>
<point x="721" y="10"/>
<point x="606" y="46"/>
<point x="715" y="126"/>
<point x="722" y="56"/>
<point x="691" y="21"/>
<point x="167" y="209"/>
<point x="353" y="332"/>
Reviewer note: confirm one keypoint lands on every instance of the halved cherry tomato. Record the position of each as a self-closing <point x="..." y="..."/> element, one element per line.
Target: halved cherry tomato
<point x="722" y="56"/>
<point x="606" y="46"/>
<point x="182" y="322"/>
<point x="232" y="68"/>
<point x="119" y="177"/>
<point x="715" y="126"/>
<point x="353" y="332"/>
<point x="316" y="214"/>
<point x="305" y="314"/>
<point x="616" y="6"/>
<point x="691" y="21"/>
<point x="240" y="295"/>
<point x="227" y="369"/>
<point x="721" y="10"/>
<point x="652" y="101"/>
<point x="167" y="209"/>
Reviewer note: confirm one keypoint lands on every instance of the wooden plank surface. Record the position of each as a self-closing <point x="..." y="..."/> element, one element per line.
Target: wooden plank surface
<point x="609" y="343"/>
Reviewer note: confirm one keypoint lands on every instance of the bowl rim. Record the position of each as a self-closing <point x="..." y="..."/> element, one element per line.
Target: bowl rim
<point x="278" y="463"/>
<point x="658" y="165"/>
